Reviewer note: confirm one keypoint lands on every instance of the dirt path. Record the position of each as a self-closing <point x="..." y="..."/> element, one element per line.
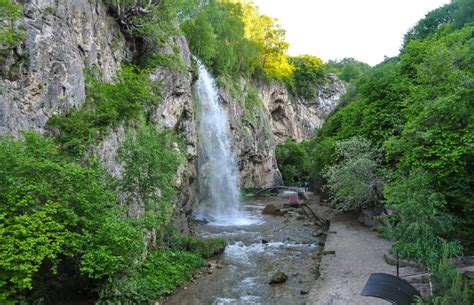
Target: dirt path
<point x="358" y="253"/>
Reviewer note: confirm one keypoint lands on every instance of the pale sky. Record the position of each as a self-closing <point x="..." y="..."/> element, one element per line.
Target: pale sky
<point x="333" y="29"/>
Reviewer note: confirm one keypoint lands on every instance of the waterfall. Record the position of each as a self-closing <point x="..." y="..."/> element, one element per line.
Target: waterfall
<point x="218" y="173"/>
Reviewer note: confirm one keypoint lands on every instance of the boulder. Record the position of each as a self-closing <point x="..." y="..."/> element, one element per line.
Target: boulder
<point x="278" y="278"/>
<point x="370" y="216"/>
<point x="270" y="209"/>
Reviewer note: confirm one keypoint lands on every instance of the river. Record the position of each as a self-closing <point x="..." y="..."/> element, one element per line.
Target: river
<point x="269" y="244"/>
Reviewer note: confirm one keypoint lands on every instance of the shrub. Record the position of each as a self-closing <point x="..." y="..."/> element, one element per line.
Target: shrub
<point x="150" y="166"/>
<point x="357" y="179"/>
<point x="53" y="208"/>
<point x="419" y="227"/>
<point x="292" y="161"/>
<point x="107" y="104"/>
<point x="308" y="74"/>
<point x="10" y="35"/>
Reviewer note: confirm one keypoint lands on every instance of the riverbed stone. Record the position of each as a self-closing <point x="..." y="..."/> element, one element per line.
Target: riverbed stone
<point x="278" y="278"/>
<point x="269" y="209"/>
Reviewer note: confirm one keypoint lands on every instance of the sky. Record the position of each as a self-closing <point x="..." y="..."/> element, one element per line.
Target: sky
<point x="367" y="30"/>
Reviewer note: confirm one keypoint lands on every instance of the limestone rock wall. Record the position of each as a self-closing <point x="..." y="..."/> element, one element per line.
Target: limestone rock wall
<point x="281" y="117"/>
<point x="296" y="118"/>
<point x="63" y="38"/>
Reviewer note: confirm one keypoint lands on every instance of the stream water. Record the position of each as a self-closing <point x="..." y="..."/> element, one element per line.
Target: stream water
<point x="255" y="252"/>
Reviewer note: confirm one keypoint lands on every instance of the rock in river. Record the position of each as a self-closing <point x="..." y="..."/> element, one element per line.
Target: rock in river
<point x="278" y="278"/>
<point x="270" y="209"/>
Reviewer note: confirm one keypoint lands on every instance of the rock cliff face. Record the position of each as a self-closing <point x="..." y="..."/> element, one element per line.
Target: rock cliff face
<point x="279" y="117"/>
<point x="296" y="118"/>
<point x="63" y="38"/>
<point x="45" y="77"/>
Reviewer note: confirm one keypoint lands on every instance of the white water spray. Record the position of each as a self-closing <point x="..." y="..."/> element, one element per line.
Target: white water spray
<point x="218" y="174"/>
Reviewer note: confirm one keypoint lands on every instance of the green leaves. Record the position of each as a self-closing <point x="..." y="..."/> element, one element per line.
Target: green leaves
<point x="10" y="34"/>
<point x="356" y="180"/>
<point x="52" y="208"/>
<point x="151" y="161"/>
<point x="27" y="238"/>
<point x="421" y="222"/>
<point x="107" y="104"/>
<point x="293" y="162"/>
<point x="308" y="74"/>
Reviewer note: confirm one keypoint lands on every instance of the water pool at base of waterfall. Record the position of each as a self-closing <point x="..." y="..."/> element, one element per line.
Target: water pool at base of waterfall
<point x="256" y="250"/>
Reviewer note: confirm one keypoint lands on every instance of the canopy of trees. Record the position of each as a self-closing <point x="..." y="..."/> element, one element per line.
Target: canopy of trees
<point x="418" y="110"/>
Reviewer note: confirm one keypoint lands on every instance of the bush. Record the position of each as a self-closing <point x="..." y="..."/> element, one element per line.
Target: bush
<point x="419" y="227"/>
<point x="308" y="74"/>
<point x="449" y="286"/>
<point x="107" y="104"/>
<point x="10" y="35"/>
<point x="356" y="180"/>
<point x="53" y="208"/>
<point x="292" y="161"/>
<point x="162" y="271"/>
<point x="150" y="165"/>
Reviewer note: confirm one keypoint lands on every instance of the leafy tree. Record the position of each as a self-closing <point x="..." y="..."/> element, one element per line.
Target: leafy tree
<point x="308" y="74"/>
<point x="150" y="166"/>
<point x="449" y="286"/>
<point x="53" y="208"/>
<point x="356" y="180"/>
<point x="348" y="69"/>
<point x="292" y="160"/>
<point x="270" y="38"/>
<point x="421" y="222"/>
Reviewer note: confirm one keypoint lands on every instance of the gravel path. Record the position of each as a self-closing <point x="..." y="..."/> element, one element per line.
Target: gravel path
<point x="358" y="253"/>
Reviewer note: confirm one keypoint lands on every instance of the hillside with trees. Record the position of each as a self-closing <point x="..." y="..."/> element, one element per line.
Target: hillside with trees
<point x="404" y="138"/>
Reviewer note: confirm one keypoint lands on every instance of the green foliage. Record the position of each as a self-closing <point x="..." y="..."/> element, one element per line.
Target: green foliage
<point x="173" y="61"/>
<point x="456" y="14"/>
<point x="206" y="248"/>
<point x="232" y="38"/>
<point x="152" y="25"/>
<point x="51" y="208"/>
<point x="107" y="104"/>
<point x="349" y="70"/>
<point x="292" y="161"/>
<point x="418" y="109"/>
<point x="421" y="222"/>
<point x="159" y="275"/>
<point x="321" y="153"/>
<point x="215" y="32"/>
<point x="308" y="74"/>
<point x="356" y="180"/>
<point x="439" y="120"/>
<point x="269" y="37"/>
<point x="10" y="35"/>
<point x="374" y="112"/>
<point x="162" y="271"/>
<point x="150" y="165"/>
<point x="57" y="216"/>
<point x="449" y="287"/>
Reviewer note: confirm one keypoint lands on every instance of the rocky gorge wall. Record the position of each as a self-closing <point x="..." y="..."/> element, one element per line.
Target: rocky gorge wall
<point x="276" y="118"/>
<point x="45" y="77"/>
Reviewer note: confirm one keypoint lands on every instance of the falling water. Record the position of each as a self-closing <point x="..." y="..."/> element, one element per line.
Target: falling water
<point x="217" y="167"/>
